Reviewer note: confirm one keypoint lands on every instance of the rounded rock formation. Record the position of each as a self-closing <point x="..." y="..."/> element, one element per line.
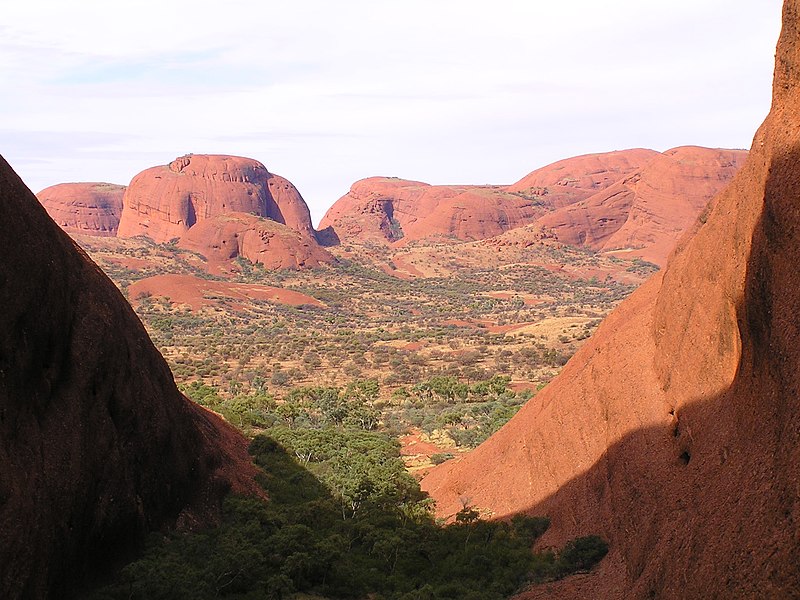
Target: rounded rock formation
<point x="98" y="445"/>
<point x="84" y="208"/>
<point x="570" y="180"/>
<point x="644" y="214"/>
<point x="225" y="237"/>
<point x="386" y="210"/>
<point x="382" y="210"/>
<point x="163" y="203"/>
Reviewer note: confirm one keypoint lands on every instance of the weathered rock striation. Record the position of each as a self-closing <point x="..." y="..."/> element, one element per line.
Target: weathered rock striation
<point x="98" y="446"/>
<point x="164" y="202"/>
<point x="675" y="431"/>
<point x="225" y="237"/>
<point x="645" y="213"/>
<point x="385" y="210"/>
<point x="84" y="208"/>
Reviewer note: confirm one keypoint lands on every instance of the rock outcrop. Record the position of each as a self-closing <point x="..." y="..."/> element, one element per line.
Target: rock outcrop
<point x="675" y="431"/>
<point x="224" y="237"/>
<point x="573" y="179"/>
<point x="165" y="202"/>
<point x="98" y="446"/>
<point x="84" y="208"/>
<point x="384" y="210"/>
<point x="632" y="197"/>
<point x="645" y="213"/>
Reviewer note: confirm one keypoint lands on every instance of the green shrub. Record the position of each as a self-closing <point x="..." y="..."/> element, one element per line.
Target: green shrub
<point x="581" y="554"/>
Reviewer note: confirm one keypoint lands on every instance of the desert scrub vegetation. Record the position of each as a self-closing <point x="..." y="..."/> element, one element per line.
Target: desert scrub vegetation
<point x="326" y="391"/>
<point x="518" y="324"/>
<point x="430" y="344"/>
<point x="467" y="414"/>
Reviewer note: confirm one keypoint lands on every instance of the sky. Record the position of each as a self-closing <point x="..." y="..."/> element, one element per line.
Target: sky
<point x="326" y="93"/>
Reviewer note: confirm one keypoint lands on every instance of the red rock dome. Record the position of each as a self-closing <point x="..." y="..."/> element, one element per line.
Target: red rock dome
<point x="383" y="210"/>
<point x="84" y="208"/>
<point x="646" y="212"/>
<point x="225" y="237"/>
<point x="567" y="181"/>
<point x="164" y="202"/>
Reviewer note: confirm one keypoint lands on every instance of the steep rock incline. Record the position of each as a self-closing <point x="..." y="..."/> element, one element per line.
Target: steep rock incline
<point x="164" y="202"/>
<point x="675" y="431"/>
<point x="224" y="237"/>
<point x="365" y="214"/>
<point x="98" y="447"/>
<point x="645" y="213"/>
<point x="84" y="208"/>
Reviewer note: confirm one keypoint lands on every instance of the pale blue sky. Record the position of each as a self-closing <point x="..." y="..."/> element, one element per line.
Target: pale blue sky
<point x="326" y="93"/>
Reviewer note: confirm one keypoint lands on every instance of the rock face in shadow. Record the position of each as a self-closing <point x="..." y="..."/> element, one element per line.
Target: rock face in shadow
<point x="98" y="446"/>
<point x="675" y="431"/>
<point x="645" y="213"/>
<point x="225" y="237"/>
<point x="164" y="202"/>
<point x="84" y="208"/>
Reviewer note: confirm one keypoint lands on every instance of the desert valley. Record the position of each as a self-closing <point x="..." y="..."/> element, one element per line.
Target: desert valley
<point x="582" y="384"/>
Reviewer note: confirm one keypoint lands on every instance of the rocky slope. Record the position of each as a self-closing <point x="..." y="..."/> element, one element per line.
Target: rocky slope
<point x="386" y="210"/>
<point x="573" y="179"/>
<point x="188" y="198"/>
<point x="675" y="432"/>
<point x="632" y="200"/>
<point x="84" y="208"/>
<point x="382" y="210"/>
<point x="645" y="213"/>
<point x="98" y="446"/>
<point x="225" y="237"/>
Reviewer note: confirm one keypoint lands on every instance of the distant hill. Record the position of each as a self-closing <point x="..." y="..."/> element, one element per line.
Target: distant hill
<point x="632" y="201"/>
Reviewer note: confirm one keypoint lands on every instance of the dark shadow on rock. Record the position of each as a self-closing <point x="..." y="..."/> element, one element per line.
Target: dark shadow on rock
<point x="97" y="445"/>
<point x="710" y="507"/>
<point x="327" y="237"/>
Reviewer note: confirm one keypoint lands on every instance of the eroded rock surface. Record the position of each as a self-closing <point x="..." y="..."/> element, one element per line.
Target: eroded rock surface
<point x="84" y="208"/>
<point x="645" y="213"/>
<point x="98" y="447"/>
<point x="675" y="431"/>
<point x="164" y="202"/>
<point x="225" y="237"/>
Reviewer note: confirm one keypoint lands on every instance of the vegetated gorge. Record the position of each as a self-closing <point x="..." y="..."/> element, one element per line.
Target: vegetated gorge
<point x="444" y="392"/>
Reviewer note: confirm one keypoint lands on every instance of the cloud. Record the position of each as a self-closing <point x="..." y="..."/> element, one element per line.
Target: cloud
<point x="326" y="93"/>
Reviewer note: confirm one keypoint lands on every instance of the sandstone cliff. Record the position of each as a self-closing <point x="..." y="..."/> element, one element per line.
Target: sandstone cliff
<point x="675" y="431"/>
<point x="98" y="447"/>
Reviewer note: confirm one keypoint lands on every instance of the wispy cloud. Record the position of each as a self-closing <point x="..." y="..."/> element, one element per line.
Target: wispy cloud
<point x="329" y="92"/>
